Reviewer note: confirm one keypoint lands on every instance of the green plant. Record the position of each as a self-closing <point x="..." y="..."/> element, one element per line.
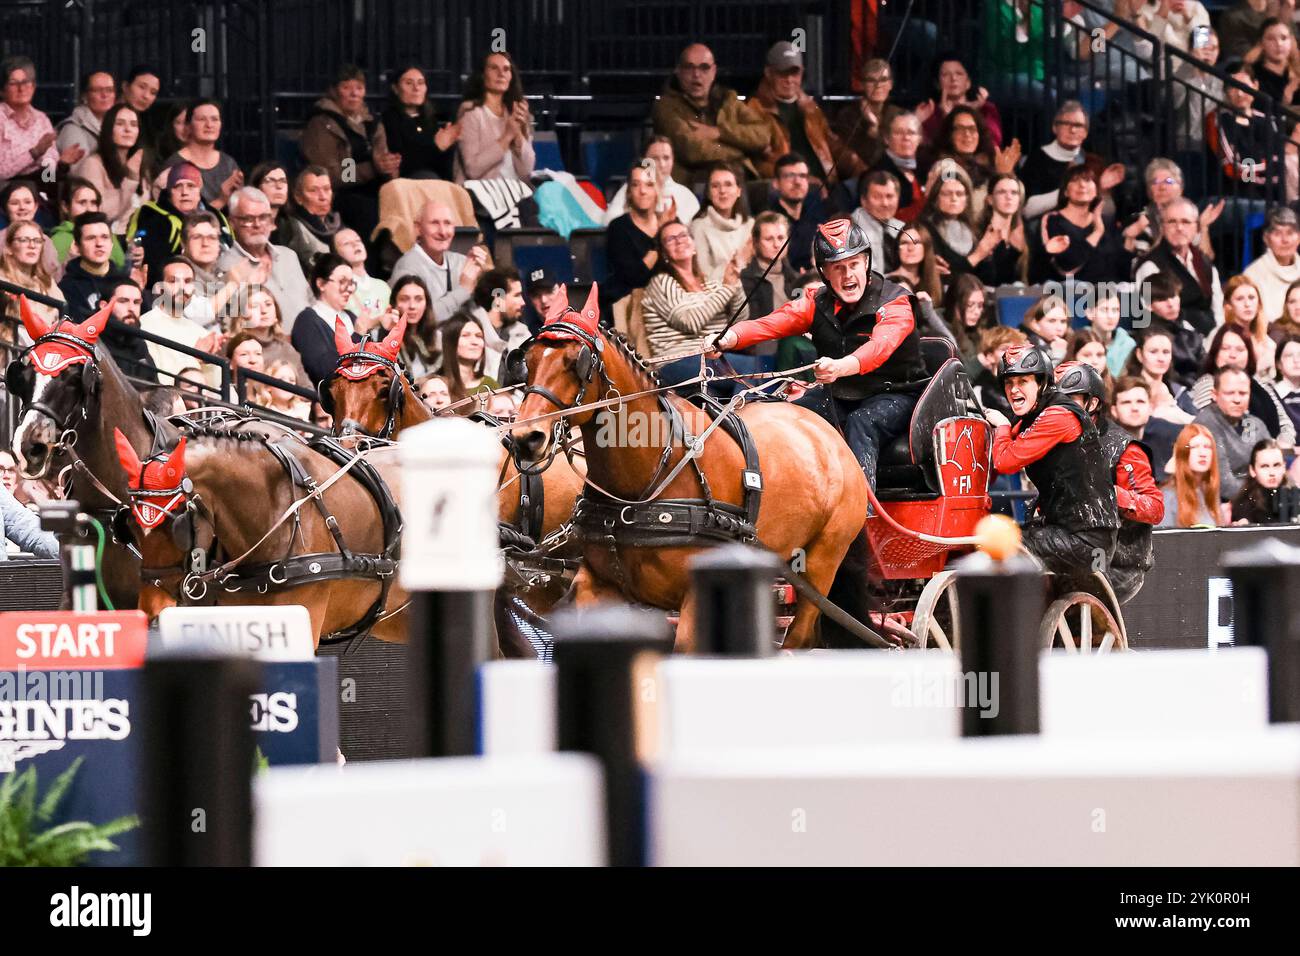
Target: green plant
<point x="68" y="844"/>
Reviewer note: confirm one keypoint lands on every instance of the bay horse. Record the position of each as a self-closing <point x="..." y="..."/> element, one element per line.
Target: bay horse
<point x="208" y="525"/>
<point x="813" y="492"/>
<point x="73" y="396"/>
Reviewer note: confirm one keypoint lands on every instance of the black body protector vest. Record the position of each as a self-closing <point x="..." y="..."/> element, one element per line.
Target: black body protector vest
<point x="836" y="336"/>
<point x="1075" y="482"/>
<point x="1134" y="548"/>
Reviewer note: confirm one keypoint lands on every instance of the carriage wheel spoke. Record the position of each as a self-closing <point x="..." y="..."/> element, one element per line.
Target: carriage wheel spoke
<point x="938" y="636"/>
<point x="1085" y="629"/>
<point x="1067" y="636"/>
<point x="1107" y="642"/>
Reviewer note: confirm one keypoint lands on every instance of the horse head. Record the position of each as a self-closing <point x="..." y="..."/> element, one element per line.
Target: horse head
<point x="58" y="380"/>
<point x="367" y="393"/>
<point x="562" y="366"/>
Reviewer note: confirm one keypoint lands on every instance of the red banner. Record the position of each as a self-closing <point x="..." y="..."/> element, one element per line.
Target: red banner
<point x="65" y="640"/>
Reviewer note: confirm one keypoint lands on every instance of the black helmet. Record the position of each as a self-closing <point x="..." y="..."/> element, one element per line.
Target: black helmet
<point x="1079" y="378"/>
<point x="839" y="239"/>
<point x="1026" y="360"/>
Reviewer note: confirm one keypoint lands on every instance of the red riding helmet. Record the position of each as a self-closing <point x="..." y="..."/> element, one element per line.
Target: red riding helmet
<point x="839" y="239"/>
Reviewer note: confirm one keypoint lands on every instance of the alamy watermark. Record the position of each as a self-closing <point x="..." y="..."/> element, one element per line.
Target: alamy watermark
<point x="976" y="690"/>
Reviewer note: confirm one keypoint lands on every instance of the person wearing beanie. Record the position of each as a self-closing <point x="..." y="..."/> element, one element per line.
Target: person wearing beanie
<point x="154" y="232"/>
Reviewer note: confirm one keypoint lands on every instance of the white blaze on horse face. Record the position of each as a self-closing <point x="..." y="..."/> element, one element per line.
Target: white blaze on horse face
<point x="30" y="418"/>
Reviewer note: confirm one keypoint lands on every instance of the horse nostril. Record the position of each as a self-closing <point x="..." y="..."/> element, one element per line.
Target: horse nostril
<point x="532" y="442"/>
<point x="36" y="451"/>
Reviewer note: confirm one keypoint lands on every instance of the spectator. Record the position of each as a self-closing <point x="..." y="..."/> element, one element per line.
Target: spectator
<point x="498" y="305"/>
<point x="22" y="529"/>
<point x="1165" y="312"/>
<point x="1103" y="315"/>
<point x="543" y="289"/>
<point x="683" y="308"/>
<point x="1164" y="184"/>
<point x="167" y="319"/>
<point x="261" y="318"/>
<point x="1241" y="307"/>
<point x="1047" y="325"/>
<point x="21" y="203"/>
<point x="139" y="91"/>
<point x="993" y="344"/>
<point x="963" y="139"/>
<point x="630" y="239"/>
<point x="412" y="131"/>
<point x="173" y="132"/>
<point x="1131" y="409"/>
<point x="1278" y="268"/>
<point x="115" y="168"/>
<point x="244" y="351"/>
<point x="1241" y="25"/>
<point x="949" y="216"/>
<point x="1287" y="324"/>
<point x="706" y="122"/>
<point x="371" y="295"/>
<point x="1091" y="36"/>
<point x="1192" y="492"/>
<point x="192" y="386"/>
<point x="448" y="275"/>
<point x="81" y="127"/>
<point x="1152" y="362"/>
<point x="464" y="360"/>
<point x="26" y="136"/>
<point x="420" y="343"/>
<point x="90" y="279"/>
<point x="253" y="260"/>
<point x="1231" y="348"/>
<point x="876" y="216"/>
<point x="1276" y="62"/>
<point x="313" y="331"/>
<point x="1043" y="170"/>
<point x="902" y="140"/>
<point x="433" y="391"/>
<point x="660" y="151"/>
<point x="1087" y="347"/>
<point x="1248" y="139"/>
<point x="1092" y="251"/>
<point x="913" y="250"/>
<point x="1199" y="292"/>
<point x="1001" y="230"/>
<point x="768" y="280"/>
<point x="129" y="352"/>
<point x="1172" y="21"/>
<point x="953" y="88"/>
<point x="343" y="137"/>
<point x="312" y="221"/>
<point x="861" y="124"/>
<point x="201" y="245"/>
<point x="282" y="400"/>
<point x="78" y="196"/>
<point x="21" y="264"/>
<point x="9" y="477"/>
<point x="272" y="178"/>
<point x="1196" y="91"/>
<point x="965" y="310"/>
<point x="1288" y="380"/>
<point x="156" y="225"/>
<point x="502" y="406"/>
<point x="722" y="228"/>
<point x="802" y="206"/>
<point x="496" y="125"/>
<point x="796" y="123"/>
<point x="220" y="173"/>
<point x="1235" y="430"/>
<point x="1267" y="491"/>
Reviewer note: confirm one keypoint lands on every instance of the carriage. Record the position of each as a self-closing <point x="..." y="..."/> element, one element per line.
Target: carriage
<point x="932" y="491"/>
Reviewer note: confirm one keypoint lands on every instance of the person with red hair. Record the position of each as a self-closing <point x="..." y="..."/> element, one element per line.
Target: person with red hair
<point x="1192" y="491"/>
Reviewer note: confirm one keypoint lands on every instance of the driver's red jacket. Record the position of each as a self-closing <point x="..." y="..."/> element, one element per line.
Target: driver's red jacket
<point x="1136" y="492"/>
<point x="1013" y="449"/>
<point x="893" y="325"/>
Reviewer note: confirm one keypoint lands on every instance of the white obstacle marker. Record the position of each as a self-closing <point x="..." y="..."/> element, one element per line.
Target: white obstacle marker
<point x="996" y="801"/>
<point x="463" y="811"/>
<point x="265" y="632"/>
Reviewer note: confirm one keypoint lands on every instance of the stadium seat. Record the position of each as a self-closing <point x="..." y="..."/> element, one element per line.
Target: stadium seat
<point x="605" y="155"/>
<point x="1254" y="223"/>
<point x="529" y="249"/>
<point x="588" y="249"/>
<point x="1014" y="301"/>
<point x="465" y="238"/>
<point x="546" y="149"/>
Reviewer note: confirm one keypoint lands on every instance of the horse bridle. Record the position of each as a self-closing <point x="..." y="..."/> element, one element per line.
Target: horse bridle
<point x="396" y="394"/>
<point x="90" y="376"/>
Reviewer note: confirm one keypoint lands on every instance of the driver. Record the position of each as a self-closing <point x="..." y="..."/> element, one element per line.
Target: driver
<point x="865" y="331"/>
<point x="1057" y="445"/>
<point x="1141" y="505"/>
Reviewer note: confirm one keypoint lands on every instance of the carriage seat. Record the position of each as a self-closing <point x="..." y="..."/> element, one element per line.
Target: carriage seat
<point x="907" y="468"/>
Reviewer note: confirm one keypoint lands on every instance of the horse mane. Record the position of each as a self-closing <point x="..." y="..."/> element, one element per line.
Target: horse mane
<point x="635" y="359"/>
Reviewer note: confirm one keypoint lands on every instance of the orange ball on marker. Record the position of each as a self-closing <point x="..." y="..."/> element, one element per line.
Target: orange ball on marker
<point x="997" y="536"/>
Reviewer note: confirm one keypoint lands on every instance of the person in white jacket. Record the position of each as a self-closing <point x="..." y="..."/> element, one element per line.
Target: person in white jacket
<point x="660" y="152"/>
<point x="1278" y="267"/>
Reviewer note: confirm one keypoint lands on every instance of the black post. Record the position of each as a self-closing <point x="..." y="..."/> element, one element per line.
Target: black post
<point x="197" y="763"/>
<point x="735" y="606"/>
<point x="999" y="606"/>
<point x="451" y="635"/>
<point x="1266" y="613"/>
<point x="596" y="705"/>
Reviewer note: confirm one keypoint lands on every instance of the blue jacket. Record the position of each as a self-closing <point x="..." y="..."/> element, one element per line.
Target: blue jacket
<point x="24" y="529"/>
